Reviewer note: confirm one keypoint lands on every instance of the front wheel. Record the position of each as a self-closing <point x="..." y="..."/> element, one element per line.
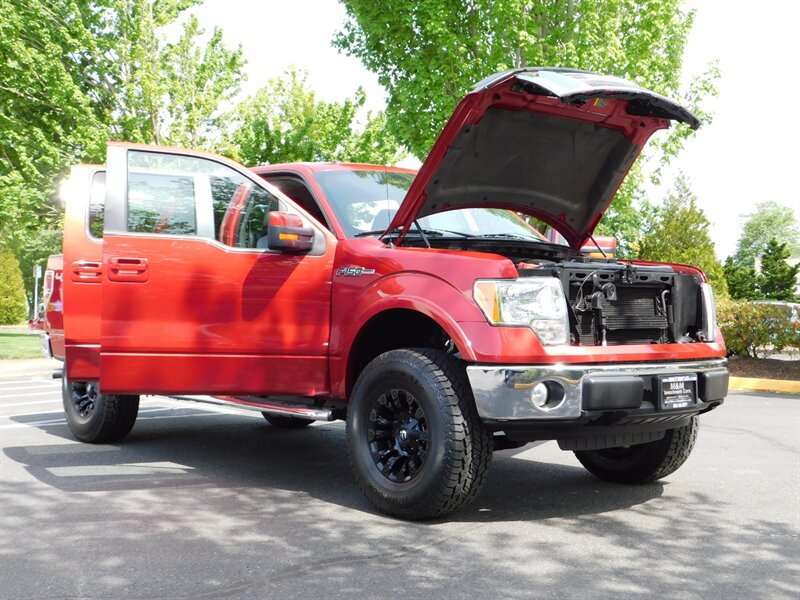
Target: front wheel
<point x="94" y="417"/>
<point x="415" y="442"/>
<point x="642" y="463"/>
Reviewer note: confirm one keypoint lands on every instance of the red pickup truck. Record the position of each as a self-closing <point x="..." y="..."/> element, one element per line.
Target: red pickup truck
<point x="419" y="307"/>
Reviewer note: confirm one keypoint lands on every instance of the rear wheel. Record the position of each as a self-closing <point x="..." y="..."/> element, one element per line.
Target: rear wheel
<point x="94" y="417"/>
<point x="286" y="422"/>
<point x="642" y="463"/>
<point x="416" y="444"/>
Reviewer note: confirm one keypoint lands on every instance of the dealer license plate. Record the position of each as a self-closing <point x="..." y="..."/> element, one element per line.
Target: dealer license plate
<point x="677" y="391"/>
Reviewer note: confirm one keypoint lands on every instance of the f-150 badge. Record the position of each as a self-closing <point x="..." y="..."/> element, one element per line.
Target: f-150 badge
<point x="354" y="271"/>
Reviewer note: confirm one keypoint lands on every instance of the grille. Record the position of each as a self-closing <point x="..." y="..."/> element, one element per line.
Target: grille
<point x="632" y="319"/>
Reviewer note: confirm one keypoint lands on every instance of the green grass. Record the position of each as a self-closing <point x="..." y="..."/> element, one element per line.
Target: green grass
<point x="19" y="345"/>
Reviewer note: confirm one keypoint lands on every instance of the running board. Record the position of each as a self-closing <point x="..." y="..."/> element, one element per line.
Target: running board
<point x="273" y="406"/>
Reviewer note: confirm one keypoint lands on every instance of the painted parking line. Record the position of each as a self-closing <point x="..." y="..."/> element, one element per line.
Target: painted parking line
<point x="59" y="422"/>
<point x="58" y="400"/>
<point x="30" y="403"/>
<point x="22" y="388"/>
<point x="12" y="381"/>
<point x="141" y="411"/>
<point x="154" y="468"/>
<point x="73" y="448"/>
<point x="48" y="392"/>
<point x="172" y="405"/>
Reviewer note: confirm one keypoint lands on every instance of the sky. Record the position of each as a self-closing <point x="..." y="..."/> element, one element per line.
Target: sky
<point x="750" y="153"/>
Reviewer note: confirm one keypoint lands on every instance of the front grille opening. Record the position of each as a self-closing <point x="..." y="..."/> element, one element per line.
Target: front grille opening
<point x="636" y="317"/>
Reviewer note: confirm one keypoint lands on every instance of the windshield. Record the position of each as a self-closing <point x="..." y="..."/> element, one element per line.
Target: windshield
<point x="366" y="201"/>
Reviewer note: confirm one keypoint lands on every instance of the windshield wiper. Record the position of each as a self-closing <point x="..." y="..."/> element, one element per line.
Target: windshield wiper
<point x="373" y="232"/>
<point x="509" y="236"/>
<point x="414" y="230"/>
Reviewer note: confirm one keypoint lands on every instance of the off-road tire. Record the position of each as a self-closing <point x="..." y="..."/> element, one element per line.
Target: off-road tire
<point x="97" y="418"/>
<point x="287" y="422"/>
<point x="458" y="449"/>
<point x="642" y="463"/>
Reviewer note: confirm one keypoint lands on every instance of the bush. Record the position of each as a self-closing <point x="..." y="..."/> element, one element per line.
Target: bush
<point x="756" y="330"/>
<point x="13" y="305"/>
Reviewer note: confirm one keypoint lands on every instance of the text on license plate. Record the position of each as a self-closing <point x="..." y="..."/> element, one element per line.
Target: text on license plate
<point x="677" y="391"/>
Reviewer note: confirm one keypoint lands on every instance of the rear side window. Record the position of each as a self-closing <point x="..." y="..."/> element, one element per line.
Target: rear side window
<point x="97" y="205"/>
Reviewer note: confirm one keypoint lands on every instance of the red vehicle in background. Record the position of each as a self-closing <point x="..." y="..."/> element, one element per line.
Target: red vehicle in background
<point x="417" y="306"/>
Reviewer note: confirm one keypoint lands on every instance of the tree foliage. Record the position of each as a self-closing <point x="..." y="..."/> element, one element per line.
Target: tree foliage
<point x="777" y="279"/>
<point x="769" y="221"/>
<point x="679" y="234"/>
<point x="429" y="53"/>
<point x="165" y="93"/>
<point x="49" y="114"/>
<point x="13" y="307"/>
<point x="742" y="280"/>
<point x="284" y="121"/>
<point x="34" y="249"/>
<point x="199" y="79"/>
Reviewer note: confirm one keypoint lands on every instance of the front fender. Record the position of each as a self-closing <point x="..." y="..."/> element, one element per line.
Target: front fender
<point x="420" y="292"/>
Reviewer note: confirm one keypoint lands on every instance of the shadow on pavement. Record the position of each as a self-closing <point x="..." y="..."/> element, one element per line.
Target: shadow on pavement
<point x="241" y="501"/>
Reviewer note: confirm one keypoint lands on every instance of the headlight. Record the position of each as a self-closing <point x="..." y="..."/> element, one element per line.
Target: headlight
<point x="709" y="313"/>
<point x="535" y="302"/>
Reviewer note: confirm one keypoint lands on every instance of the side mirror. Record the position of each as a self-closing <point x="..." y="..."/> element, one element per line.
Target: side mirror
<point x="287" y="233"/>
<point x="606" y="247"/>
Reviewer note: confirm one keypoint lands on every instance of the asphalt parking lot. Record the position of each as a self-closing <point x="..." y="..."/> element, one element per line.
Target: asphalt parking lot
<point x="204" y="502"/>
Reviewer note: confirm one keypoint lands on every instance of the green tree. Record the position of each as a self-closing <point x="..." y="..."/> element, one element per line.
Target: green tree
<point x="770" y="220"/>
<point x="429" y="53"/>
<point x="34" y="249"/>
<point x="742" y="280"/>
<point x="777" y="279"/>
<point x="49" y="114"/>
<point x="199" y="78"/>
<point x="13" y="308"/>
<point x="284" y="121"/>
<point x="165" y="93"/>
<point x="679" y="234"/>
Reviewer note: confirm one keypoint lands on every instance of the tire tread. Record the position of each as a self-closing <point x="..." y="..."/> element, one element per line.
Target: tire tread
<point x="655" y="460"/>
<point x="468" y="449"/>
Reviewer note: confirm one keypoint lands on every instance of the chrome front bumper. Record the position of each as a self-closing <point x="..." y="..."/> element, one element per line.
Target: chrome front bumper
<point x="503" y="393"/>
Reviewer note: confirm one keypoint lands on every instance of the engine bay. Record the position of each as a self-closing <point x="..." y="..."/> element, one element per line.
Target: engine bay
<point x="611" y="302"/>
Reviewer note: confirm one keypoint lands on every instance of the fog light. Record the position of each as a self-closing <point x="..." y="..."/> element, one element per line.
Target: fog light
<point x="539" y="395"/>
<point x="547" y="395"/>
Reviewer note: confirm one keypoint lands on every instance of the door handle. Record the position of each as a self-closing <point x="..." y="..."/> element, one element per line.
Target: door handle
<point x="86" y="271"/>
<point x="121" y="268"/>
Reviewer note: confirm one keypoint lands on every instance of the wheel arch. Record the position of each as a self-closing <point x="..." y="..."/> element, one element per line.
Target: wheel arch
<point x="401" y="326"/>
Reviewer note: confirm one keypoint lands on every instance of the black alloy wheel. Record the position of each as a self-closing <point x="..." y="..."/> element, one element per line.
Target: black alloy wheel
<point x="398" y="435"/>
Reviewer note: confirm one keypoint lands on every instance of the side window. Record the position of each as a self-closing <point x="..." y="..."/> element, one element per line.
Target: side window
<point x="186" y="195"/>
<point x="97" y="205"/>
<point x="241" y="212"/>
<point x="161" y="203"/>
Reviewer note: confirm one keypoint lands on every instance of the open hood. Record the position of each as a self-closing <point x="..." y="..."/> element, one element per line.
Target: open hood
<point x="551" y="143"/>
